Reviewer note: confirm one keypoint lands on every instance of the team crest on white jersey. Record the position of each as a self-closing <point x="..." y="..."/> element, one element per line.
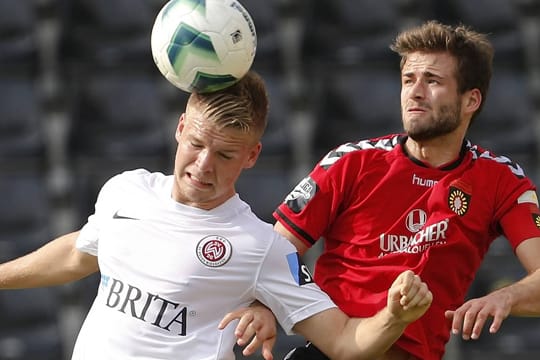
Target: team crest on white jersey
<point x="214" y="250"/>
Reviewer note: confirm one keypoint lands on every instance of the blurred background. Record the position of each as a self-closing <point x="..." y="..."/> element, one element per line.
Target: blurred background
<point x="81" y="100"/>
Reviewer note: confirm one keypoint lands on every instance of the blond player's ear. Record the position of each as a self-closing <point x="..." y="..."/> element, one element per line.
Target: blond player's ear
<point x="253" y="156"/>
<point x="180" y="126"/>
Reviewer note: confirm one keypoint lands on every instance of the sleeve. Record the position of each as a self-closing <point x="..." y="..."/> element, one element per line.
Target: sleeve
<point x="519" y="216"/>
<point x="88" y="239"/>
<point x="522" y="220"/>
<point x="286" y="286"/>
<point x="312" y="205"/>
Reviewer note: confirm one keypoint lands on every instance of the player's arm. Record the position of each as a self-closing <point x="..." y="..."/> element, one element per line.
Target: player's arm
<point x="521" y="298"/>
<point x="369" y="338"/>
<point x="57" y="262"/>
<point x="341" y="337"/>
<point x="299" y="244"/>
<point x="525" y="294"/>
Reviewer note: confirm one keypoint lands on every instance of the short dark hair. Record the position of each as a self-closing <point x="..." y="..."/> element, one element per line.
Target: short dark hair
<point x="471" y="49"/>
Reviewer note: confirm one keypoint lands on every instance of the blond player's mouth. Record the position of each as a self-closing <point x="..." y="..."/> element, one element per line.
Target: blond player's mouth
<point x="198" y="181"/>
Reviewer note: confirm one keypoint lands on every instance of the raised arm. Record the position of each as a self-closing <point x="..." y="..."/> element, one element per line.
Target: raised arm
<point x="369" y="338"/>
<point x="57" y="262"/>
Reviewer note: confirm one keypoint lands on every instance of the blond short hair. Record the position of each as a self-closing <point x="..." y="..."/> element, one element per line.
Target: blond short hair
<point x="243" y="106"/>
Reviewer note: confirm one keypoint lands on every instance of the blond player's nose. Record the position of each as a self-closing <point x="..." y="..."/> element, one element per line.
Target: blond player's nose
<point x="204" y="160"/>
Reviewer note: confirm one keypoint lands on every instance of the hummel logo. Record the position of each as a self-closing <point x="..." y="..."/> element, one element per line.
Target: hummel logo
<point x="118" y="216"/>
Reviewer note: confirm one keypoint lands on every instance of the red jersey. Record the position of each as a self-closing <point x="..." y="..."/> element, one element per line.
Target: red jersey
<point x="381" y="212"/>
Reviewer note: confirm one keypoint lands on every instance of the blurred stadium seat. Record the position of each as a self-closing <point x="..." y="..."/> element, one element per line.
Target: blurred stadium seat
<point x="106" y="33"/>
<point x="277" y="138"/>
<point x="21" y="125"/>
<point x="25" y="212"/>
<point x="264" y="187"/>
<point x="499" y="19"/>
<point x="356" y="103"/>
<point x="266" y="16"/>
<point x="29" y="327"/>
<point x="19" y="46"/>
<point x="349" y="31"/>
<point x="506" y="124"/>
<point x="115" y="115"/>
<point x="116" y="122"/>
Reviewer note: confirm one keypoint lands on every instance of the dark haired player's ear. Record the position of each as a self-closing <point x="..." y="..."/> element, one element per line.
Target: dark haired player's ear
<point x="472" y="101"/>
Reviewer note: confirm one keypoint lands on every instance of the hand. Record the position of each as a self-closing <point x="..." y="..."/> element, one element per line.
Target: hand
<point x="409" y="297"/>
<point x="257" y="323"/>
<point x="471" y="317"/>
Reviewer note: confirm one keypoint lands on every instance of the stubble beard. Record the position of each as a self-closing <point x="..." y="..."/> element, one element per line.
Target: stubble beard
<point x="443" y="122"/>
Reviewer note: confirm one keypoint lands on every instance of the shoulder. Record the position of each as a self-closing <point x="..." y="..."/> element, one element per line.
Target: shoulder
<point x="252" y="224"/>
<point x="367" y="147"/>
<point x="494" y="162"/>
<point x="261" y="232"/>
<point x="130" y="184"/>
<point x="136" y="177"/>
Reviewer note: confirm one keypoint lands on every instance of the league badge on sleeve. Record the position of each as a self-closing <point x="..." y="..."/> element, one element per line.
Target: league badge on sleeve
<point x="301" y="194"/>
<point x="299" y="270"/>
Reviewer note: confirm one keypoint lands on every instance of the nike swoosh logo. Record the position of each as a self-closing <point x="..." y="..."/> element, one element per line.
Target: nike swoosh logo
<point x="118" y="216"/>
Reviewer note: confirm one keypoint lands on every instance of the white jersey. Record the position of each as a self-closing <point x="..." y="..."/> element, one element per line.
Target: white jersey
<point x="170" y="272"/>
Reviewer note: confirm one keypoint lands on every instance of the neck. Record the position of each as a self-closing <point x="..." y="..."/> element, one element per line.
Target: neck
<point x="435" y="152"/>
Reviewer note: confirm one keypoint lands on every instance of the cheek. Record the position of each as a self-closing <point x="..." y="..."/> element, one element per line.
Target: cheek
<point x="178" y="161"/>
<point x="403" y="96"/>
<point x="228" y="172"/>
<point x="183" y="156"/>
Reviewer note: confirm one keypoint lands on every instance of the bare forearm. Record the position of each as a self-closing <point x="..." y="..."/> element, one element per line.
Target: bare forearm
<point x="524" y="295"/>
<point x="408" y="299"/>
<point x="373" y="337"/>
<point x="58" y="262"/>
<point x="343" y="338"/>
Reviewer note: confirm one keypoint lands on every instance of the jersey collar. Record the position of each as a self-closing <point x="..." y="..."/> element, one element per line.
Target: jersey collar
<point x="450" y="166"/>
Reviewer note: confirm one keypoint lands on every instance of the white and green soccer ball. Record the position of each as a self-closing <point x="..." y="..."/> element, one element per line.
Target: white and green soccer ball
<point x="203" y="45"/>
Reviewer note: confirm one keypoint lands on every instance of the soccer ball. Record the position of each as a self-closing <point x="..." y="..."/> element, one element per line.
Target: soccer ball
<point x="203" y="45"/>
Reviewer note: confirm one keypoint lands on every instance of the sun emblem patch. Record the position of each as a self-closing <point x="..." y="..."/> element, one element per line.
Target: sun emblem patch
<point x="458" y="201"/>
<point x="214" y="250"/>
<point x="536" y="219"/>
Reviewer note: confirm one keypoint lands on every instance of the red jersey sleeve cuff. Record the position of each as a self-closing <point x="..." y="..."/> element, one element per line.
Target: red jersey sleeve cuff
<point x="289" y="225"/>
<point x="522" y="222"/>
